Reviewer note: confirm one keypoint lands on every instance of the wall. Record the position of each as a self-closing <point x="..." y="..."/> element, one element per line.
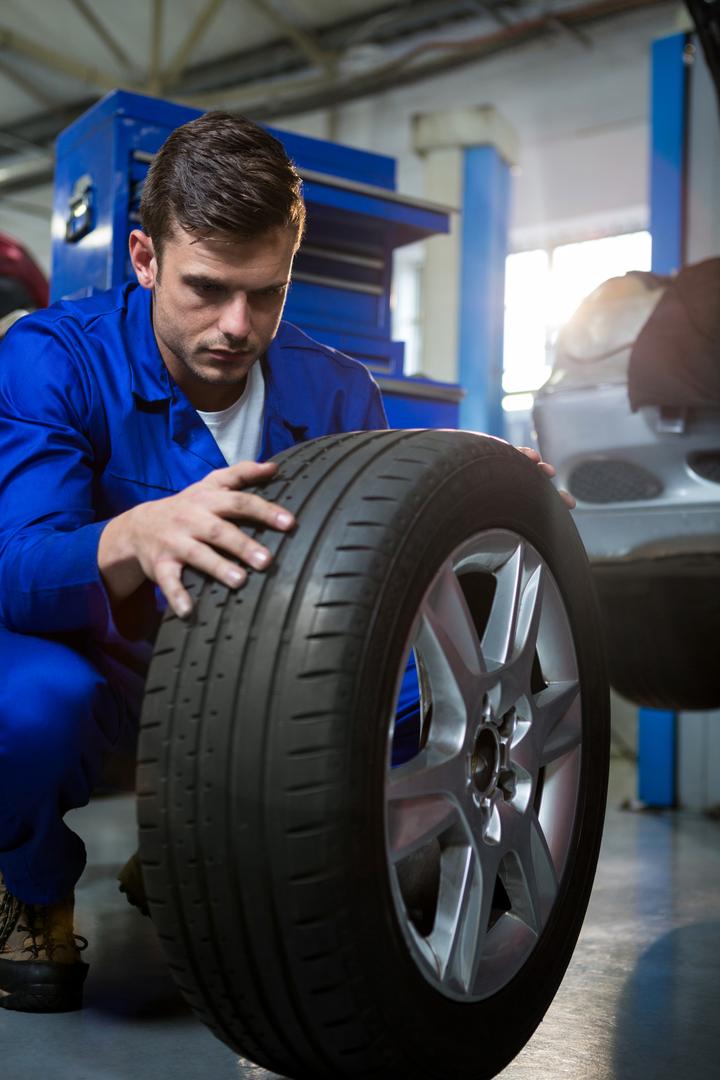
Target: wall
<point x="26" y="216"/>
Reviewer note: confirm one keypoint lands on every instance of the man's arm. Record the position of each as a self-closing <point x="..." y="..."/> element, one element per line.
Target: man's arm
<point x="52" y="446"/>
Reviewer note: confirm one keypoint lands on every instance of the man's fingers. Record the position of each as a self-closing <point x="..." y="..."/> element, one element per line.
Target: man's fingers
<point x="241" y="474"/>
<point x="253" y="508"/>
<point x="534" y="456"/>
<point x="169" y="578"/>
<point x="223" y="534"/>
<point x="168" y="574"/>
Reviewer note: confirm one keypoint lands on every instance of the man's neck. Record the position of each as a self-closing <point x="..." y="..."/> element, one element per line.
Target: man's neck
<point x="217" y="398"/>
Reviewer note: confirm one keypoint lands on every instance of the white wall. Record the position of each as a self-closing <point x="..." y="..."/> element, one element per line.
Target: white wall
<point x="26" y="216"/>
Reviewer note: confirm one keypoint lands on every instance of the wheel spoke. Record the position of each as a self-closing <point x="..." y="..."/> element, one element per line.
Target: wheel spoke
<point x="428" y="773"/>
<point x="511" y="635"/>
<point x="450" y="649"/>
<point x="499" y="633"/>
<point x="413" y="823"/>
<point x="463" y="912"/>
<point x="558" y="721"/>
<point x="531" y="879"/>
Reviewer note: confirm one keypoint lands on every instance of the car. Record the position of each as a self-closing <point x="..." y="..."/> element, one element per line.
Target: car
<point x="23" y="286"/>
<point x="630" y="417"/>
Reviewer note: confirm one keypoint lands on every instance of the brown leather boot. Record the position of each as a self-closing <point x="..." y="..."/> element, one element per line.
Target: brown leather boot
<point x="132" y="884"/>
<point x="40" y="965"/>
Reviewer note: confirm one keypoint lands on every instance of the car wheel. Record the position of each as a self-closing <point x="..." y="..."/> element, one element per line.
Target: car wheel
<point x="661" y="619"/>
<point x="371" y="783"/>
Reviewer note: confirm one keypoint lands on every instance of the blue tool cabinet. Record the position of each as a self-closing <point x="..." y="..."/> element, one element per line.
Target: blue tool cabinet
<point x="341" y="282"/>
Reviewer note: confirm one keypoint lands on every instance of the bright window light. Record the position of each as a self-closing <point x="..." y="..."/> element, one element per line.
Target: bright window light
<point x="578" y="269"/>
<point x="527" y="300"/>
<point x="543" y="289"/>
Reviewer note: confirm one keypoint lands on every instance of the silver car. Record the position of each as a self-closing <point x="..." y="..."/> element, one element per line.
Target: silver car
<point x="630" y="417"/>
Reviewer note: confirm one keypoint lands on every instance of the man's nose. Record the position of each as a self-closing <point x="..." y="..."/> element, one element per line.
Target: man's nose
<point x="235" y="317"/>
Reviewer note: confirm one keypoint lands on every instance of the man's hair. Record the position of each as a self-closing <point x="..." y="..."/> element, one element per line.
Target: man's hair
<point x="221" y="174"/>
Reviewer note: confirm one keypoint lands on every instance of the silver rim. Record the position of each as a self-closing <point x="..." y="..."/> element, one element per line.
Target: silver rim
<point x="479" y="821"/>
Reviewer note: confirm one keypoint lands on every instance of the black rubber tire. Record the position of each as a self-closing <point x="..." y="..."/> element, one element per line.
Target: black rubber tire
<point x="661" y="619"/>
<point x="261" y="765"/>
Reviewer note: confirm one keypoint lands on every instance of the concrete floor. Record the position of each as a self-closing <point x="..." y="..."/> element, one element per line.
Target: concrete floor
<point x="640" y="1001"/>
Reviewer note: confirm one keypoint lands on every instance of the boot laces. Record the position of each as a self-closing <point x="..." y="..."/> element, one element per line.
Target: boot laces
<point x="37" y="925"/>
<point x="10" y="909"/>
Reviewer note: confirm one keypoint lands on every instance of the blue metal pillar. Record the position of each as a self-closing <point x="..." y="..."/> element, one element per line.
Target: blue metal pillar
<point x="657" y="739"/>
<point x="657" y="730"/>
<point x="669" y="106"/>
<point x="485" y="224"/>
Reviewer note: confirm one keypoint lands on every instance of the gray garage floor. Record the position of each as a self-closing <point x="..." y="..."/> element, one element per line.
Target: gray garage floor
<point x="641" y="998"/>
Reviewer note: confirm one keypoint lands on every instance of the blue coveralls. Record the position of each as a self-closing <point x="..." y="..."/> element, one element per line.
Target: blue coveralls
<point x="91" y="424"/>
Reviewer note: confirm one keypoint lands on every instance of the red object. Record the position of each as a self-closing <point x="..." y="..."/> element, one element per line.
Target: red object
<point x="17" y="264"/>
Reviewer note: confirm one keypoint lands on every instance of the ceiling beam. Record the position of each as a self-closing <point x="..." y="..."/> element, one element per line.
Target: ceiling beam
<point x="27" y="85"/>
<point x="27" y="173"/>
<point x="56" y="61"/>
<point x="202" y="82"/>
<point x="21" y="206"/>
<point x="272" y="98"/>
<point x="102" y="32"/>
<point x="488" y="7"/>
<point x="154" y="77"/>
<point x="177" y="65"/>
<point x="305" y="42"/>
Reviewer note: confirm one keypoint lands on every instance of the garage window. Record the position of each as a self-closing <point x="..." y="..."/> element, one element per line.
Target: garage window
<point x="542" y="289"/>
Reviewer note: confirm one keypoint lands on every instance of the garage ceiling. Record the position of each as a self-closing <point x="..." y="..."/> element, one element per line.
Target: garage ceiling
<point x="266" y="58"/>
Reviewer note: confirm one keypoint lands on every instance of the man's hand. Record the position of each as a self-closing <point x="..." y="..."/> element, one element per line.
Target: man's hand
<point x="155" y="540"/>
<point x="549" y="471"/>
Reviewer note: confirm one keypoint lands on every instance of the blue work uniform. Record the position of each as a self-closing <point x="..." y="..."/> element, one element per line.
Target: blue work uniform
<point x="91" y="424"/>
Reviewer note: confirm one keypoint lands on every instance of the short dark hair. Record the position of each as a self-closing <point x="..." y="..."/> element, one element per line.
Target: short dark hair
<point x="221" y="174"/>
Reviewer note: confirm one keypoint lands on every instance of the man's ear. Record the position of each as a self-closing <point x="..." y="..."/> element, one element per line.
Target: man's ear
<point x="142" y="256"/>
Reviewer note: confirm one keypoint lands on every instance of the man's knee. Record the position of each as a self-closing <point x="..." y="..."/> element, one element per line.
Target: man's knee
<point x="49" y="694"/>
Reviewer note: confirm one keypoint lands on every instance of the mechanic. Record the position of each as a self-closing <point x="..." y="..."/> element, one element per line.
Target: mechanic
<point x="130" y="424"/>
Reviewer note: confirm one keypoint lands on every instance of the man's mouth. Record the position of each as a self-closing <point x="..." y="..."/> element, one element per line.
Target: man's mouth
<point x="229" y="354"/>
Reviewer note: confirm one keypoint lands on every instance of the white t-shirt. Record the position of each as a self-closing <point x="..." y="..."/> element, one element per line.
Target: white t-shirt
<point x="238" y="430"/>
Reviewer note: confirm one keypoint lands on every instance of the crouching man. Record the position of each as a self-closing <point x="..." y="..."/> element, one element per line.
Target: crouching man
<point x="130" y="424"/>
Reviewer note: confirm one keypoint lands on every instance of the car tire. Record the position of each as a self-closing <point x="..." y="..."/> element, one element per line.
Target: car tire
<point x="340" y="894"/>
<point x="661" y="619"/>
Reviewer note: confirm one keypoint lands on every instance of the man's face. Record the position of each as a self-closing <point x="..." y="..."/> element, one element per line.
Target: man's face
<point x="217" y="303"/>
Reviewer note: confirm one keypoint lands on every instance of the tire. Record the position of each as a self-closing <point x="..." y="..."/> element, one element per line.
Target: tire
<point x="661" y="619"/>
<point x="302" y="870"/>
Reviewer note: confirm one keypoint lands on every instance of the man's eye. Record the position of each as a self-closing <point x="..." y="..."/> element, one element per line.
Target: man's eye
<point x="276" y="290"/>
<point x="207" y="288"/>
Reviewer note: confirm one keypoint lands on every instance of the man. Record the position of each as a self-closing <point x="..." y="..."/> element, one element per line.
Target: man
<point x="130" y="423"/>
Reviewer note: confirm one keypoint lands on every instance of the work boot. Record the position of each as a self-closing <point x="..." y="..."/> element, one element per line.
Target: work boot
<point x="132" y="884"/>
<point x="40" y="965"/>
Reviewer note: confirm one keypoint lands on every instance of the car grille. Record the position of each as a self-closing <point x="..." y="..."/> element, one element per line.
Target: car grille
<point x="706" y="464"/>
<point x="612" y="481"/>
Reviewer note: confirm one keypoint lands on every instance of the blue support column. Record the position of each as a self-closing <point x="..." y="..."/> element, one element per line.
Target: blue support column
<point x="669" y="102"/>
<point x="657" y="730"/>
<point x="485" y="223"/>
<point x="657" y="737"/>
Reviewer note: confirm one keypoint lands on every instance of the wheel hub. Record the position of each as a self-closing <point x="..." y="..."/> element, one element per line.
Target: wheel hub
<point x="484" y="761"/>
